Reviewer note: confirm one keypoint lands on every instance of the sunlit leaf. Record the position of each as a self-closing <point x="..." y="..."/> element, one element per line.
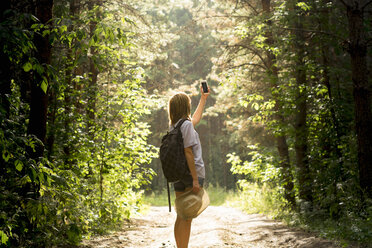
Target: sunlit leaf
<point x="19" y="165"/>
<point x="44" y="86"/>
<point x="27" y="67"/>
<point x="4" y="237"/>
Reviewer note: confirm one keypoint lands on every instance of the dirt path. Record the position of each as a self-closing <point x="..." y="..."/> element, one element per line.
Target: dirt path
<point x="216" y="227"/>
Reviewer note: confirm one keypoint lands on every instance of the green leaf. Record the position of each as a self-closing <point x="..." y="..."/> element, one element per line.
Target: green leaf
<point x="4" y="237"/>
<point x="6" y="155"/>
<point x="39" y="68"/>
<point x="41" y="177"/>
<point x="19" y="165"/>
<point x="255" y="106"/>
<point x="33" y="175"/>
<point x="63" y="28"/>
<point x="27" y="67"/>
<point x="46" y="32"/>
<point x="44" y="86"/>
<point x="34" y="26"/>
<point x="303" y="6"/>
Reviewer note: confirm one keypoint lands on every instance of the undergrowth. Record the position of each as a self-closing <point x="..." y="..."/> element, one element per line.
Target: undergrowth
<point x="349" y="229"/>
<point x="217" y="195"/>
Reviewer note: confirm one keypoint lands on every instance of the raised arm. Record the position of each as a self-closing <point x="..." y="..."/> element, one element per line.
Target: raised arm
<point x="196" y="117"/>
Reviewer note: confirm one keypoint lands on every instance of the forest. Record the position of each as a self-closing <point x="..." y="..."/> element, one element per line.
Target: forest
<point x="83" y="106"/>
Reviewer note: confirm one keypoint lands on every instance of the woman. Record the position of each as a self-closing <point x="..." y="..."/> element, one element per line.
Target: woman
<point x="180" y="108"/>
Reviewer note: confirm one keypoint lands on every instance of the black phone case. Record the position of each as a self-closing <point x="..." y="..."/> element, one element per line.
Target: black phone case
<point x="205" y="87"/>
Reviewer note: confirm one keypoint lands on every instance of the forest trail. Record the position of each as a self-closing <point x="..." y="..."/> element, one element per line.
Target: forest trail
<point x="215" y="227"/>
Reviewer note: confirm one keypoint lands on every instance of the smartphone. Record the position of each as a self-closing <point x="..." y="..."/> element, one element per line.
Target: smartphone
<point x="204" y="86"/>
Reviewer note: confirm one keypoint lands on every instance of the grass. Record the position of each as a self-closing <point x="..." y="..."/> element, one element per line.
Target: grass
<point x="255" y="199"/>
<point x="347" y="230"/>
<point x="350" y="229"/>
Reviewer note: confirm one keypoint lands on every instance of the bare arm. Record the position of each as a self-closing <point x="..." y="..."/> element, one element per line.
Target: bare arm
<point x="191" y="164"/>
<point x="196" y="117"/>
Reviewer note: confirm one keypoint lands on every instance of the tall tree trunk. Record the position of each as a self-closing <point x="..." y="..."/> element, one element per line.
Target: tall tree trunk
<point x="39" y="102"/>
<point x="50" y="139"/>
<point x="330" y="145"/>
<point x="5" y="89"/>
<point x="70" y="87"/>
<point x="93" y="72"/>
<point x="4" y="66"/>
<point x="92" y="92"/>
<point x="281" y="139"/>
<point x="39" y="98"/>
<point x="327" y="83"/>
<point x="301" y="131"/>
<point x="362" y="92"/>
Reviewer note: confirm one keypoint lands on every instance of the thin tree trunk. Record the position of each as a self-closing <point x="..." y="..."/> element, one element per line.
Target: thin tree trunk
<point x="70" y="86"/>
<point x="92" y="94"/>
<point x="92" y="87"/>
<point x="301" y="131"/>
<point x="4" y="67"/>
<point x="93" y="72"/>
<point x="281" y="139"/>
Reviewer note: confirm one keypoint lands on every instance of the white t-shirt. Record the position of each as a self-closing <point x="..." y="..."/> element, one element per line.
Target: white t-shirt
<point x="191" y="138"/>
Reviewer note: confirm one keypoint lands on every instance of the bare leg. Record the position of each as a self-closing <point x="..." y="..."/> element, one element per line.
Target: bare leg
<point x="182" y="229"/>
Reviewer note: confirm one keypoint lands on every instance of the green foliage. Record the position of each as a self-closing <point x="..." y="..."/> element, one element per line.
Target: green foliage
<point x="261" y="198"/>
<point x="90" y="176"/>
<point x="261" y="190"/>
<point x="350" y="228"/>
<point x="260" y="167"/>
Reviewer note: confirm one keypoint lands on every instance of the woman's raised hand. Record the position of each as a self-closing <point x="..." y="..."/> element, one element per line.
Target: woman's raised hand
<point x="205" y="95"/>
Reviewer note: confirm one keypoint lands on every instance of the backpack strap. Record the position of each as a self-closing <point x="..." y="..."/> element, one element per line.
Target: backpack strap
<point x="169" y="201"/>
<point x="179" y="124"/>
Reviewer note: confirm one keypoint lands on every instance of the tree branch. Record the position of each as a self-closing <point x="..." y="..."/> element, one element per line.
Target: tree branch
<point x="344" y="3"/>
<point x="314" y="31"/>
<point x="235" y="16"/>
<point x="253" y="8"/>
<point x="248" y="64"/>
<point x="369" y="41"/>
<point x="366" y="4"/>
<point x="222" y="16"/>
<point x="254" y="51"/>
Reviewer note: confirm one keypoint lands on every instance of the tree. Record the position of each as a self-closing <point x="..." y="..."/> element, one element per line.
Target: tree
<point x="39" y="88"/>
<point x="357" y="48"/>
<point x="5" y="65"/>
<point x="301" y="130"/>
<point x="281" y="138"/>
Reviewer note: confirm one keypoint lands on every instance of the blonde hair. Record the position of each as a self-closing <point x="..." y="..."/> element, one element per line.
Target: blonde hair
<point x="179" y="107"/>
